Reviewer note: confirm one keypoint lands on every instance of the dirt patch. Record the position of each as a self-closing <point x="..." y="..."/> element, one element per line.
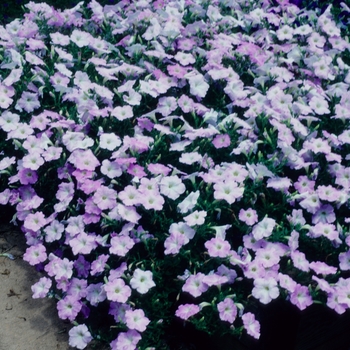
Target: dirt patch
<point x="27" y="323"/>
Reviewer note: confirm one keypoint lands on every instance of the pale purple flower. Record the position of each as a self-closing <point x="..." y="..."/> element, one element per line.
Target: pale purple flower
<point x="344" y="295"/>
<point x="190" y="158"/>
<point x="150" y="184"/>
<point x="254" y="269"/>
<point x="198" y="85"/>
<point x="21" y="132"/>
<point x="41" y="288"/>
<point x="251" y="325"/>
<point x="344" y="261"/>
<point x="227" y="310"/>
<point x="323" y="284"/>
<point x="177" y="71"/>
<point x="158" y="169"/>
<point x="249" y="216"/>
<point x="186" y="104"/>
<point x="122" y="113"/>
<point x="109" y="141"/>
<point x="130" y="195"/>
<point x="189" y="202"/>
<point x="174" y="242"/>
<point x="324" y="215"/>
<point x="221" y="141"/>
<point x="79" y="336"/>
<point x="35" y="222"/>
<point x="152" y="200"/>
<point x="166" y="105"/>
<point x="5" y="196"/>
<point x="9" y="121"/>
<point x="65" y="191"/>
<point x="59" y="268"/>
<point x="195" y="285"/>
<point x="75" y="225"/>
<point x="28" y="101"/>
<point x="95" y="293"/>
<point x="229" y="273"/>
<point x="293" y="241"/>
<point x="264" y="228"/>
<point x="287" y="282"/>
<point x="81" y="38"/>
<point x="83" y="159"/>
<point x="214" y="279"/>
<point x="184" y="229"/>
<point x="59" y="39"/>
<point x="268" y="256"/>
<point x="265" y="289"/>
<point x="105" y="198"/>
<point x="126" y="340"/>
<point x="327" y="193"/>
<point x="128" y="213"/>
<point x="186" y="311"/>
<point x="172" y="186"/>
<point x="319" y="105"/>
<point x="77" y="288"/>
<point x="136" y="319"/>
<point x="111" y="169"/>
<point x="142" y="281"/>
<point x="120" y="245"/>
<point x="5" y="101"/>
<point x="35" y="254"/>
<point x="136" y="170"/>
<point x="184" y="58"/>
<point x="334" y="303"/>
<point x="82" y="243"/>
<point x="318" y="145"/>
<point x="297" y="217"/>
<point x="228" y="190"/>
<point x="326" y="230"/>
<point x="33" y="160"/>
<point x="279" y="183"/>
<point x="218" y="247"/>
<point x="301" y="297"/>
<point x="117" y="290"/>
<point x="300" y="261"/>
<point x="68" y="308"/>
<point x="285" y="33"/>
<point x="53" y="232"/>
<point x="322" y="268"/>
<point x="98" y="265"/>
<point x="196" y="218"/>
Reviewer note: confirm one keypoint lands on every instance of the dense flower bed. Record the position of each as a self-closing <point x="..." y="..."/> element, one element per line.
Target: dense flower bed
<point x="178" y="159"/>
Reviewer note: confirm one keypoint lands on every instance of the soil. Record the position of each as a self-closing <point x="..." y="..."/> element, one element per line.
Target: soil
<point x="27" y="323"/>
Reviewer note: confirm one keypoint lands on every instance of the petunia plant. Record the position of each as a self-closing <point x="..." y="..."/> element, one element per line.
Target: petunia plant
<point x="178" y="161"/>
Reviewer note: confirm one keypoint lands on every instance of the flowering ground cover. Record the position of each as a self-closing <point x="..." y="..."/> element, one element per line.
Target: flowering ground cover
<point x="178" y="161"/>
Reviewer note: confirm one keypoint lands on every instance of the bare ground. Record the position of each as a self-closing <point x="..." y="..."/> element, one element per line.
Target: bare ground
<point x="27" y="323"/>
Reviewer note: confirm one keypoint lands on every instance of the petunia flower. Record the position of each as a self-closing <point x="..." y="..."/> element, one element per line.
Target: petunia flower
<point x="227" y="310"/>
<point x="186" y="311"/>
<point x="251" y="325"/>
<point x="117" y="290"/>
<point x="41" y="288"/>
<point x="301" y="297"/>
<point x="68" y="308"/>
<point x="79" y="336"/>
<point x="142" y="281"/>
<point x="126" y="340"/>
<point x="136" y="319"/>
<point x="172" y="187"/>
<point x="265" y="289"/>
